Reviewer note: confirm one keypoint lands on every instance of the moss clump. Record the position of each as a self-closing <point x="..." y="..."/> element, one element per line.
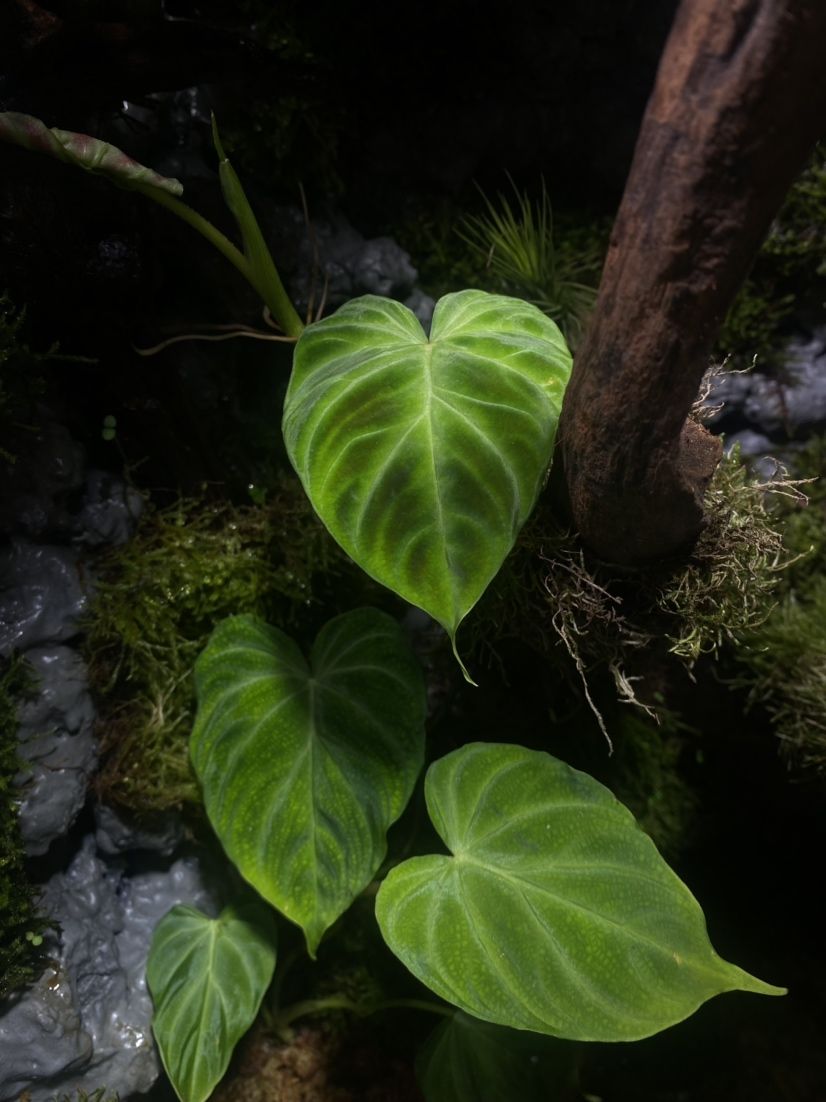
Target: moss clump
<point x="100" y="1095"/>
<point x="786" y="672"/>
<point x="647" y="776"/>
<point x="159" y="597"/>
<point x="550" y="591"/>
<point x="783" y="661"/>
<point x="789" y="272"/>
<point x="21" y="927"/>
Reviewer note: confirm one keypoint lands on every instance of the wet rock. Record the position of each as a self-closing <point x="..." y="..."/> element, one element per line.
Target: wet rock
<point x="94" y="1003"/>
<point x="57" y="743"/>
<point x="109" y="512"/>
<point x="789" y="405"/>
<point x="41" y="596"/>
<point x="41" y="1035"/>
<point x="422" y="306"/>
<point x="117" y="834"/>
<point x="333" y="260"/>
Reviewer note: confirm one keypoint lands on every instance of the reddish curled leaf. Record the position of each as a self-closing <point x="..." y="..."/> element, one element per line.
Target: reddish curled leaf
<point x="83" y="151"/>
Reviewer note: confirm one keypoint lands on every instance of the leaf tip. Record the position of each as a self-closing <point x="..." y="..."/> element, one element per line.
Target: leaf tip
<point x="216" y="138"/>
<point x="744" y="981"/>
<point x="462" y="666"/>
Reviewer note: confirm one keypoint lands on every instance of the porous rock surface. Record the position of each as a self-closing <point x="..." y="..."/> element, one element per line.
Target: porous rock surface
<point x="87" y="1022"/>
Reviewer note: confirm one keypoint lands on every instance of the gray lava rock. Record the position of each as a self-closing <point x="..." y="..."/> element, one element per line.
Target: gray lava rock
<point x="335" y="259"/>
<point x="109" y="512"/>
<point x="727" y="397"/>
<point x="115" y="834"/>
<point x="87" y="1023"/>
<point x="57" y="743"/>
<point x="422" y="306"/>
<point x="41" y="596"/>
<point x="790" y="406"/>
<point x="41" y="1035"/>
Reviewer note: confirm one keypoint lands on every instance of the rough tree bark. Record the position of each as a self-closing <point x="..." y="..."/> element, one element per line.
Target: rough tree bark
<point x="739" y="100"/>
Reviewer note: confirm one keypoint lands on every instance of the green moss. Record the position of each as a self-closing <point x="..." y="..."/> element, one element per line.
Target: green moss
<point x="789" y="272"/>
<point x="785" y="664"/>
<point x="100" y="1095"/>
<point x="648" y="777"/>
<point x="21" y="927"/>
<point x="159" y="597"/>
<point x="549" y="592"/>
<point x="783" y="661"/>
<point x="797" y="240"/>
<point x="752" y="324"/>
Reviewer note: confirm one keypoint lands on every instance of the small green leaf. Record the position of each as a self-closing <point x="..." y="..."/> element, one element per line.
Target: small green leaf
<point x="305" y="767"/>
<point x="423" y="456"/>
<point x="85" y="152"/>
<point x="466" y="1059"/>
<point x="555" y="913"/>
<point x="207" y="977"/>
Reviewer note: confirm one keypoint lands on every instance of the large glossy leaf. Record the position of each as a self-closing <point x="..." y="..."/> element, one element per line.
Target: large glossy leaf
<point x="555" y="913"/>
<point x="207" y="977"/>
<point x="83" y="151"/>
<point x="424" y="455"/>
<point x="305" y="766"/>
<point x="263" y="272"/>
<point x="466" y="1059"/>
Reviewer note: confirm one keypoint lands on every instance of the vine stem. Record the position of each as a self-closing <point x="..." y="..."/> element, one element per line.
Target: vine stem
<point x="274" y="296"/>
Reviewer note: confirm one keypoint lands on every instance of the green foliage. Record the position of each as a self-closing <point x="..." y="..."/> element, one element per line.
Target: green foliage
<point x="207" y="978"/>
<point x="466" y="1058"/>
<point x="549" y="590"/>
<point x="21" y="927"/>
<point x="549" y="875"/>
<point x="752" y="323"/>
<point x="783" y="660"/>
<point x="304" y="766"/>
<point x="789" y="272"/>
<point x="553" y="912"/>
<point x="99" y="1095"/>
<point x="647" y="776"/>
<point x="785" y="664"/>
<point x="797" y="239"/>
<point x="518" y="247"/>
<point x="158" y="598"/>
<point x="424" y="456"/>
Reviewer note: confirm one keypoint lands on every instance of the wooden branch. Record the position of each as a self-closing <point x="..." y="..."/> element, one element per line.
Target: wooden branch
<point x="739" y="100"/>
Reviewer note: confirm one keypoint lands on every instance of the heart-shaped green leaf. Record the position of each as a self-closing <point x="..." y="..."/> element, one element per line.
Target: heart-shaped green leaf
<point x="305" y="767"/>
<point x="85" y="152"/>
<point x="555" y="913"/>
<point x="424" y="456"/>
<point x="207" y="977"/>
<point x="465" y="1058"/>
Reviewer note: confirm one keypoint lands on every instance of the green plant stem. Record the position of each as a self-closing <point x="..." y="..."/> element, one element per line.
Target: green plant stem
<point x="308" y="1007"/>
<point x="273" y="293"/>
